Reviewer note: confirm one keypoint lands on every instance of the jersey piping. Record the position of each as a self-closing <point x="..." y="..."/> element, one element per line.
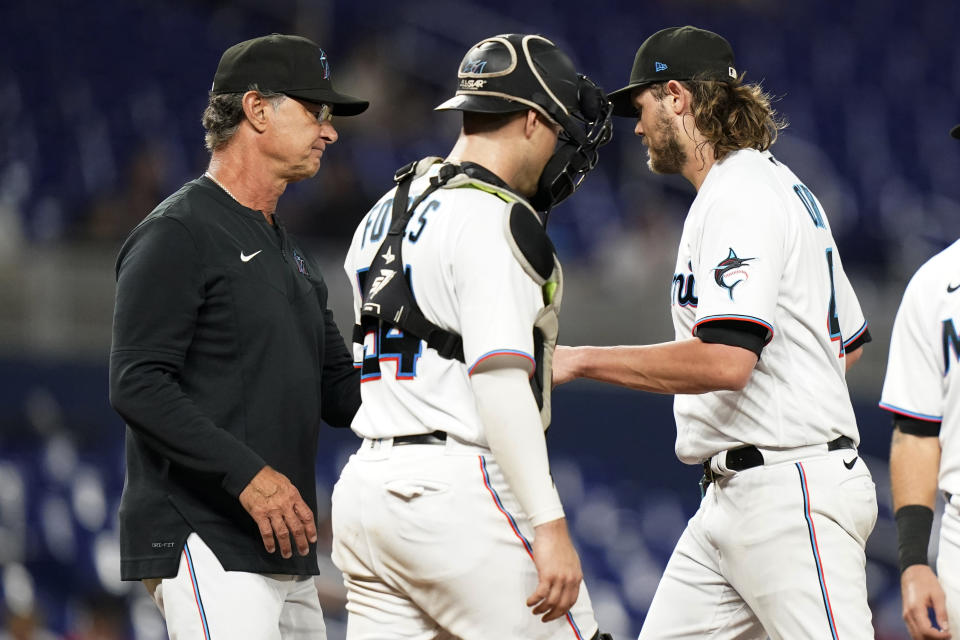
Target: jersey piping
<point x="911" y="414"/>
<point x="741" y="318"/>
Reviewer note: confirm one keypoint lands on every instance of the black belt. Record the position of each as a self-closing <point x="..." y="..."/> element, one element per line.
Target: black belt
<point x="749" y="456"/>
<point x="437" y="437"/>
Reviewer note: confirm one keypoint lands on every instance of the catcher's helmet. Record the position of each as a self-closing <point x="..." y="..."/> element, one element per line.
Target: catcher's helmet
<point x="516" y="72"/>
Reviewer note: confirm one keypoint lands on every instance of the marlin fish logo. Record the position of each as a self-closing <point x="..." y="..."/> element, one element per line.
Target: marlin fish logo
<point x="732" y="268"/>
<point x="473" y="66"/>
<point x="325" y="63"/>
<point x="301" y="264"/>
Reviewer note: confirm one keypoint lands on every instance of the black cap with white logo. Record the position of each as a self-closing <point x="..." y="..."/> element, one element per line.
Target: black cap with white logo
<point x="677" y="53"/>
<point x="292" y="65"/>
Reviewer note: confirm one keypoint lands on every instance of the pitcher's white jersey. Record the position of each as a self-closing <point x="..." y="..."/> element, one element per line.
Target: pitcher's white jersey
<point x="465" y="279"/>
<point x="922" y="380"/>
<point x="757" y="247"/>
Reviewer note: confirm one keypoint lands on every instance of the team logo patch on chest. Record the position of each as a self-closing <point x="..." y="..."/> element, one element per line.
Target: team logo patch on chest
<point x="731" y="271"/>
<point x="301" y="264"/>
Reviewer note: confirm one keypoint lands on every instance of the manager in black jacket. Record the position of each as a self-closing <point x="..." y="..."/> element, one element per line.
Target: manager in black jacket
<point x="225" y="359"/>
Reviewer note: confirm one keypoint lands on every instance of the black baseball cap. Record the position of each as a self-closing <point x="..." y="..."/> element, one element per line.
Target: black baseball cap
<point x="955" y="132"/>
<point x="677" y="53"/>
<point x="292" y="65"/>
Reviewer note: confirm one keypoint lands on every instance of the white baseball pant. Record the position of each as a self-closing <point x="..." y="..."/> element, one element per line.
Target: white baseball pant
<point x="433" y="545"/>
<point x="774" y="550"/>
<point x="205" y="602"/>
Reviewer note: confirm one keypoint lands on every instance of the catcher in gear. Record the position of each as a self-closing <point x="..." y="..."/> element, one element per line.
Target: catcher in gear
<point x="446" y="522"/>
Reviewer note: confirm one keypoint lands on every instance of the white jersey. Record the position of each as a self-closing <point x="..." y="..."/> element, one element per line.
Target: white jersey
<point x="757" y="247"/>
<point x="922" y="380"/>
<point x="466" y="279"/>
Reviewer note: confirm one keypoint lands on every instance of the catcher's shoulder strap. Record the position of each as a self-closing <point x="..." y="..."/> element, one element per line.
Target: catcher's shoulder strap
<point x="387" y="296"/>
<point x="526" y="232"/>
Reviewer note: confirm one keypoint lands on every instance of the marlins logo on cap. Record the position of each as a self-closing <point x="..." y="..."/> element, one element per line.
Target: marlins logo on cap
<point x="325" y="63"/>
<point x="473" y="66"/>
<point x="288" y="64"/>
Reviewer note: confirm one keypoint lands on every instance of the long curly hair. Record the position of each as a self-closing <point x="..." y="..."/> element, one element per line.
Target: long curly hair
<point x="731" y="116"/>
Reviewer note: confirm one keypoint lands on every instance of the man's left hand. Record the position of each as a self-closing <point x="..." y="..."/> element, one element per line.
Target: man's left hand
<point x="277" y="508"/>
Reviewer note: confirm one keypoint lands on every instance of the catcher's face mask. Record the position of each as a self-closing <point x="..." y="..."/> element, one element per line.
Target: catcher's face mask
<point x="514" y="72"/>
<point x="585" y="131"/>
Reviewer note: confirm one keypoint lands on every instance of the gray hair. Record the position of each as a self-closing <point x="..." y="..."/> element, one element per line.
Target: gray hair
<point x="224" y="113"/>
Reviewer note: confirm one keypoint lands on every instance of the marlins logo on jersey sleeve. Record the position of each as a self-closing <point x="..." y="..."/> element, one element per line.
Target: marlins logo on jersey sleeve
<point x="740" y="257"/>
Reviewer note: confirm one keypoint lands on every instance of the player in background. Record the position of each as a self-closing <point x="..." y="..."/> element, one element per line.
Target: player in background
<point x="446" y="522"/>
<point x="921" y="389"/>
<point x="766" y="325"/>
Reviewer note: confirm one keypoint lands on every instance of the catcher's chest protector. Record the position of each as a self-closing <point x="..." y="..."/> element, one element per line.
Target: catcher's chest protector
<point x="387" y="297"/>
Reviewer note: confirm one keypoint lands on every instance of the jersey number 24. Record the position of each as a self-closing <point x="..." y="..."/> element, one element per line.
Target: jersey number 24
<point x="382" y="342"/>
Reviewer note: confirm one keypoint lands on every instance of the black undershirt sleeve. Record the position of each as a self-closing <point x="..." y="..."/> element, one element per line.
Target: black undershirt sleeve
<point x="861" y="340"/>
<point x="914" y="427"/>
<point x="735" y="333"/>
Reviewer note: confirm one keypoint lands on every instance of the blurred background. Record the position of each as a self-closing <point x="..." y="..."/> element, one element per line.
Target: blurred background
<point x="101" y="105"/>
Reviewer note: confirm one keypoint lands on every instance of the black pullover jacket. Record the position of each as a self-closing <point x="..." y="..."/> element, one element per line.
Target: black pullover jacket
<point x="225" y="358"/>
